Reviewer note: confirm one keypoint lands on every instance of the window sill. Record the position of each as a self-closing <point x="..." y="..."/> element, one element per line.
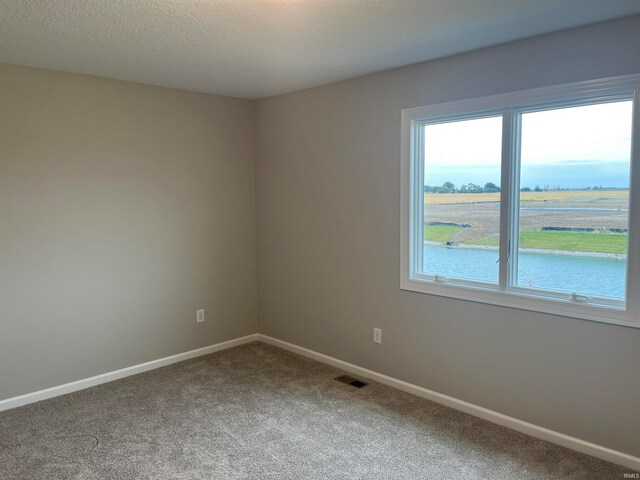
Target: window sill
<point x="523" y="301"/>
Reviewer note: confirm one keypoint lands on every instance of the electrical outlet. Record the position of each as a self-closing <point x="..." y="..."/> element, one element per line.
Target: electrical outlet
<point x="377" y="335"/>
<point x="200" y="315"/>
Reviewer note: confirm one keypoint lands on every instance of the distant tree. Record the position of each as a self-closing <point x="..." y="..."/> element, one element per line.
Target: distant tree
<point x="537" y="189"/>
<point x="491" y="187"/>
<point x="449" y="186"/>
<point x="473" y="188"/>
<point x="525" y="189"/>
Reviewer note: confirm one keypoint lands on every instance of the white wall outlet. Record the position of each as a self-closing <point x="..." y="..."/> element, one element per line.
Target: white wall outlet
<point x="200" y="315"/>
<point x="377" y="335"/>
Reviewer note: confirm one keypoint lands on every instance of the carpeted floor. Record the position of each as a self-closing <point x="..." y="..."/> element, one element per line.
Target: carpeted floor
<point x="258" y="412"/>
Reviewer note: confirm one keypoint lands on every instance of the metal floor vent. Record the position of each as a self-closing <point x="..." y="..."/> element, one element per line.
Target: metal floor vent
<point x="351" y="381"/>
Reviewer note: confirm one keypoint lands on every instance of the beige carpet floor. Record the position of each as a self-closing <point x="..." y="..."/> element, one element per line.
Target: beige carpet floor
<point x="259" y="412"/>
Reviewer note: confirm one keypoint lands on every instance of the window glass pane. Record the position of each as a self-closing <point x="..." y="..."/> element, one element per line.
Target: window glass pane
<point x="462" y="198"/>
<point x="574" y="199"/>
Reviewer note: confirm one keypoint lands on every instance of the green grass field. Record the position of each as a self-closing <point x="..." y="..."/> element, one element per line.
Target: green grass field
<point x="440" y="233"/>
<point x="600" y="242"/>
<point x="568" y="241"/>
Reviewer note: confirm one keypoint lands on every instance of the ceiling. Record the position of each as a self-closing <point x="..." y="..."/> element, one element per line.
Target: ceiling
<point x="258" y="48"/>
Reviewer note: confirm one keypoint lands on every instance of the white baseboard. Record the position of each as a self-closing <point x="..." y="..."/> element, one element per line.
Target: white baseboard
<point x="124" y="372"/>
<point x="536" y="431"/>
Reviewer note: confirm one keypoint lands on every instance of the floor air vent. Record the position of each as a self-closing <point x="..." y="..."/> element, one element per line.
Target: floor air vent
<point x="351" y="381"/>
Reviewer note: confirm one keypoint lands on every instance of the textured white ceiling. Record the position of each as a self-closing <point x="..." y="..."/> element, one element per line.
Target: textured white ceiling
<point x="258" y="48"/>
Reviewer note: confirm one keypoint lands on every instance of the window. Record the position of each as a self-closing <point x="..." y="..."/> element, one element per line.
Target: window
<point x="461" y="197"/>
<point x="525" y="200"/>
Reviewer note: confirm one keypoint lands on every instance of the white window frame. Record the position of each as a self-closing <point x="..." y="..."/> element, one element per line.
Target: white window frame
<point x="506" y="292"/>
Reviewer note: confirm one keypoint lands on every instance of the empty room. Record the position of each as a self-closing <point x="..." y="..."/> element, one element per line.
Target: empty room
<point x="319" y="239"/>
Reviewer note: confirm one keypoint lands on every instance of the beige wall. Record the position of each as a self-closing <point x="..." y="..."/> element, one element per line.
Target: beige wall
<point x="328" y="173"/>
<point x="123" y="209"/>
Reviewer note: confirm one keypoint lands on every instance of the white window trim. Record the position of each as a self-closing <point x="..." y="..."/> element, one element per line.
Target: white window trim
<point x="517" y="297"/>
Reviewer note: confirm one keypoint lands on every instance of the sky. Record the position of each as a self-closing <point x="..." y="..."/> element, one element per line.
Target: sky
<point x="573" y="147"/>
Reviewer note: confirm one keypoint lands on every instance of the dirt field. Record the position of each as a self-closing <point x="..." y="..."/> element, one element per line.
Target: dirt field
<point x="575" y="209"/>
<point x="561" y="196"/>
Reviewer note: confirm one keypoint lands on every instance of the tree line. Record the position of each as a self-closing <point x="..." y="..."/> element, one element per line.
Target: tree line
<point x="449" y="187"/>
<point x="490" y="187"/>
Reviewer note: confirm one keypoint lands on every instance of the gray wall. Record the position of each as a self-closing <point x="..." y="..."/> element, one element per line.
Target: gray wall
<point x="328" y="173"/>
<point x="123" y="209"/>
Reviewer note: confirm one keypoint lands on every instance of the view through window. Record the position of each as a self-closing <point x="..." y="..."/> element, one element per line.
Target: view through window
<point x="574" y="199"/>
<point x="572" y="219"/>
<point x="462" y="198"/>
